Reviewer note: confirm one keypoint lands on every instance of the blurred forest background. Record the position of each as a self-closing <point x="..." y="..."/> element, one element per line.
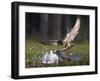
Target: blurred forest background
<point x="44" y="27"/>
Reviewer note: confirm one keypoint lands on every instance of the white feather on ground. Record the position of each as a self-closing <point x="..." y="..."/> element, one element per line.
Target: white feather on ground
<point x="50" y="58"/>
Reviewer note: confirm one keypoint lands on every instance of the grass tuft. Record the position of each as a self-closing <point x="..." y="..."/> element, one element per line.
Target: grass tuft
<point x="34" y="50"/>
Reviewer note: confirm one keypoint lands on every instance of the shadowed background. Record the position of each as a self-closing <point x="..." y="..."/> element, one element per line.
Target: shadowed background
<point x="55" y="26"/>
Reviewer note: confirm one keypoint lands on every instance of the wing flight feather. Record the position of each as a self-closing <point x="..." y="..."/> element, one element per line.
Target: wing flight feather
<point x="73" y="33"/>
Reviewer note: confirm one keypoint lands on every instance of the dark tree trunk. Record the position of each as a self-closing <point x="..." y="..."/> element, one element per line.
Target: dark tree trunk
<point x="84" y="29"/>
<point x="66" y="25"/>
<point x="28" y="24"/>
<point x="56" y="26"/>
<point x="44" y="27"/>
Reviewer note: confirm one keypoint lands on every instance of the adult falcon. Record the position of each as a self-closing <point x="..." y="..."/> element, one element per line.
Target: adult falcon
<point x="69" y="38"/>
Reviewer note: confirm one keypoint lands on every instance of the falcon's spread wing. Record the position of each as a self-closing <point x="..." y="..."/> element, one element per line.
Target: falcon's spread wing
<point x="69" y="36"/>
<point x="72" y="34"/>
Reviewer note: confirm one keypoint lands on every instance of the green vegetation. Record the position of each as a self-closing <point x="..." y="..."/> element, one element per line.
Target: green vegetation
<point x="34" y="50"/>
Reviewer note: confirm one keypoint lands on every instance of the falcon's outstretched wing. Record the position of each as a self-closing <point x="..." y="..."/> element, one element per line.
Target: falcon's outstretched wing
<point x="72" y="34"/>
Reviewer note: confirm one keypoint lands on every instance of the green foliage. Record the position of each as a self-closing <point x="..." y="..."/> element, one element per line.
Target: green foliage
<point x="34" y="50"/>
